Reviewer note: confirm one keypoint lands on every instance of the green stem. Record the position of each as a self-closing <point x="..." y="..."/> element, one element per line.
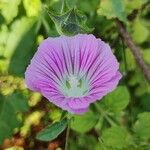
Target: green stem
<point x="111" y="122"/>
<point x="46" y="26"/>
<point x="62" y="6"/>
<point x="101" y="111"/>
<point x="102" y="144"/>
<point x="67" y="135"/>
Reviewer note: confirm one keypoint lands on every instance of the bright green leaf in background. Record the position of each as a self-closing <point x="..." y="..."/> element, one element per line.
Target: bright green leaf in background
<point x="52" y="131"/>
<point x="32" y="7"/>
<point x="146" y="55"/>
<point x="9" y="9"/>
<point x="118" y="99"/>
<point x="140" y="32"/>
<point x="84" y="123"/>
<point x="132" y="5"/>
<point x="3" y="38"/>
<point x="112" y="9"/>
<point x="119" y="8"/>
<point x="142" y="125"/>
<point x="4" y="33"/>
<point x="20" y="44"/>
<point x="9" y="107"/>
<point x="55" y="115"/>
<point x="116" y="138"/>
<point x="23" y="26"/>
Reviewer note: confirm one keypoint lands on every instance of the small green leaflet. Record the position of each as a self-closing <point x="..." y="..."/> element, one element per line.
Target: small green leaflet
<point x="142" y="125"/>
<point x="116" y="101"/>
<point x="52" y="131"/>
<point x="116" y="138"/>
<point x="84" y="123"/>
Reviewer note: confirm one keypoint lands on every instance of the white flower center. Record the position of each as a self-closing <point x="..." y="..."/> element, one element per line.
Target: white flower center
<point x="74" y="86"/>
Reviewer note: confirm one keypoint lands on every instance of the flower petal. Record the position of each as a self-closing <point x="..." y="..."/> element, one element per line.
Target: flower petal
<point x="83" y="56"/>
<point x="78" y="103"/>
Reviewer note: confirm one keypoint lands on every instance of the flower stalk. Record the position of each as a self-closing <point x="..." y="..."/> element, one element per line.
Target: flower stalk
<point x="69" y="117"/>
<point x="67" y="136"/>
<point x="101" y="111"/>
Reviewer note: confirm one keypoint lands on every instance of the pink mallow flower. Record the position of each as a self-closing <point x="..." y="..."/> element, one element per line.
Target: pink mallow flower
<point x="73" y="72"/>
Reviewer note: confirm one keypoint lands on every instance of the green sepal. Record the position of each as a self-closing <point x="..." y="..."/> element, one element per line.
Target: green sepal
<point x="70" y="23"/>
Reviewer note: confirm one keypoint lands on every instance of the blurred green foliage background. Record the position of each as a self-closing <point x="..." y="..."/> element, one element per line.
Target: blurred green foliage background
<point x="120" y="121"/>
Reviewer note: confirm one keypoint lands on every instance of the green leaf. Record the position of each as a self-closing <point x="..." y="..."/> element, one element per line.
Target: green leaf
<point x="32" y="7"/>
<point x="73" y="145"/>
<point x="135" y="78"/>
<point x="139" y="29"/>
<point x="71" y="3"/>
<point x="70" y="23"/>
<point x="83" y="142"/>
<point x="116" y="138"/>
<point x="88" y="6"/>
<point x="131" y="64"/>
<point x="52" y="131"/>
<point x="55" y="115"/>
<point x="3" y="38"/>
<point x="133" y="4"/>
<point x="143" y="88"/>
<point x="112" y="9"/>
<point x="9" y="106"/>
<point x="146" y="55"/>
<point x="20" y="48"/>
<point x="145" y="102"/>
<point x="84" y="123"/>
<point x="87" y="142"/>
<point x="118" y="99"/>
<point x="10" y="9"/>
<point x="142" y="125"/>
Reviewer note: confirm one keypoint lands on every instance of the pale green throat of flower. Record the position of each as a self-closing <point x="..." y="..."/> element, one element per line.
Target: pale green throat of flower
<point x="74" y="86"/>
